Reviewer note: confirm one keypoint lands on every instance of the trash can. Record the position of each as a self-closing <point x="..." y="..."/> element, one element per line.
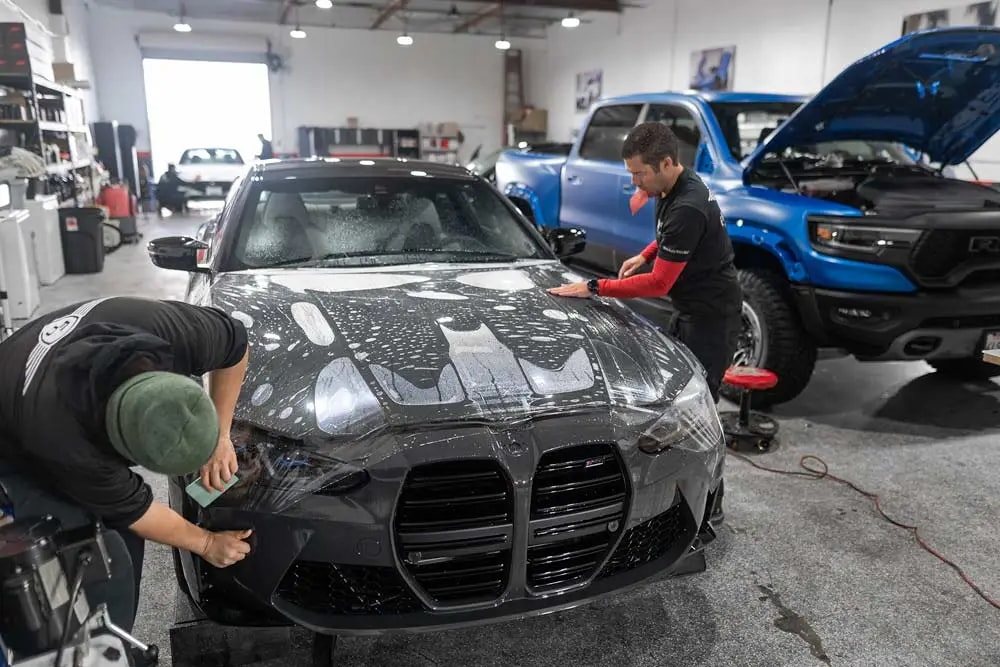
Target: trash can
<point x="82" y="231"/>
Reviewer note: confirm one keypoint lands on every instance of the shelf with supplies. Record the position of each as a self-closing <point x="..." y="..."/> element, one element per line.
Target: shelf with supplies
<point x="45" y="118"/>
<point x="358" y="142"/>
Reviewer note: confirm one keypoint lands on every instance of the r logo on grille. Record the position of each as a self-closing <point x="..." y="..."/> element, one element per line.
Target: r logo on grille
<point x="984" y="245"/>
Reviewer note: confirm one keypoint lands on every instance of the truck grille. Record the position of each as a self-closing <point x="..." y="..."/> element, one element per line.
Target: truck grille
<point x="454" y="527"/>
<point x="328" y="588"/>
<point x="578" y="505"/>
<point x="649" y="541"/>
<point x="941" y="251"/>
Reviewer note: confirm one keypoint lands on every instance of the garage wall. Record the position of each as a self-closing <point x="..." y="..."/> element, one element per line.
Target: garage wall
<point x="329" y="76"/>
<point x="784" y="46"/>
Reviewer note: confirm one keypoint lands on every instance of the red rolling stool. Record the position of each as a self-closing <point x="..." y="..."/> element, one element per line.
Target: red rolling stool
<point x="746" y="430"/>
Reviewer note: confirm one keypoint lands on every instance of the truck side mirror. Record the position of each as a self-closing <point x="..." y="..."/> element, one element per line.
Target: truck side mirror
<point x="566" y="241"/>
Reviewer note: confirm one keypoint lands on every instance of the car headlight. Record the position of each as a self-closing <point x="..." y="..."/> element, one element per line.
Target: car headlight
<point x="690" y="422"/>
<point x="275" y="472"/>
<point x="826" y="235"/>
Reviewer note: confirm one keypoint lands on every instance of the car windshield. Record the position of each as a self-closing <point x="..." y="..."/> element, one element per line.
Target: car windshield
<point x="372" y="221"/>
<point x="211" y="156"/>
<point x="746" y="125"/>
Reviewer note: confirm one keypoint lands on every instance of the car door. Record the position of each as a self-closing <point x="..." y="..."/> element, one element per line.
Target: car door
<point x="630" y="239"/>
<point x="596" y="186"/>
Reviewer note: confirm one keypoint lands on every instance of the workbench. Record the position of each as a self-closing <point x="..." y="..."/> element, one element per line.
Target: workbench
<point x="992" y="357"/>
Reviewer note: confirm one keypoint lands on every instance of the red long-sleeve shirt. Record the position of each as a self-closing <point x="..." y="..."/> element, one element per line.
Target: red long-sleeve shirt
<point x="645" y="285"/>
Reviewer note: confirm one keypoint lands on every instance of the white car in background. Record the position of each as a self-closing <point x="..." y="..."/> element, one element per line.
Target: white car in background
<point x="210" y="171"/>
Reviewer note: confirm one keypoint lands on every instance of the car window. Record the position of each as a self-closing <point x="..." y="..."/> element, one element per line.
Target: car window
<point x="607" y="131"/>
<point x="684" y="126"/>
<point x="211" y="156"/>
<point x="361" y="221"/>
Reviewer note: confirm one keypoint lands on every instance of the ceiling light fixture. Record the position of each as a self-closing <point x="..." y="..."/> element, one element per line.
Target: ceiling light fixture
<point x="297" y="33"/>
<point x="570" y="21"/>
<point x="324" y="4"/>
<point x="182" y="25"/>
<point x="404" y="40"/>
<point x="502" y="44"/>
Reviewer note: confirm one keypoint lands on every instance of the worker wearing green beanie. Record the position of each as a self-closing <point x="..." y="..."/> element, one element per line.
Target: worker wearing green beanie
<point x="164" y="422"/>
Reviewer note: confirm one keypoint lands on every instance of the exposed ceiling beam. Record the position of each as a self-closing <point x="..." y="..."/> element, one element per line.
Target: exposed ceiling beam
<point x="480" y="16"/>
<point x="571" y="5"/>
<point x="388" y="11"/>
<point x="286" y="9"/>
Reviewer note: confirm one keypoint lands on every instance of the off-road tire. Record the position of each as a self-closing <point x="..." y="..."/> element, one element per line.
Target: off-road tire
<point x="791" y="354"/>
<point x="969" y="369"/>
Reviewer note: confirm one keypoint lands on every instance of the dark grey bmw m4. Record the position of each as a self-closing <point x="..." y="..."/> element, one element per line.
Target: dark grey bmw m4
<point x="427" y="438"/>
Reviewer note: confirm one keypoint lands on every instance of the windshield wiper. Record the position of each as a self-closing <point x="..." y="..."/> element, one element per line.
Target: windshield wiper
<point x="478" y="254"/>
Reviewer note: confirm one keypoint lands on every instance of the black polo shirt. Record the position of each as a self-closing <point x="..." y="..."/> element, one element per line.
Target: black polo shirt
<point x="690" y="228"/>
<point x="58" y="371"/>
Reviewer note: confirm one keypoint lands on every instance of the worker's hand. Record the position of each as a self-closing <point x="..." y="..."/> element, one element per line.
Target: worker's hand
<point x="226" y="547"/>
<point x="571" y="289"/>
<point x="221" y="467"/>
<point x="631" y="265"/>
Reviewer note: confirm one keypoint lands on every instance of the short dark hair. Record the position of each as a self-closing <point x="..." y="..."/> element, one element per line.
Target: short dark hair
<point x="653" y="142"/>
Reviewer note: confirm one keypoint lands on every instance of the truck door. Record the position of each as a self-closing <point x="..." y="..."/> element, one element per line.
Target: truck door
<point x="630" y="238"/>
<point x="596" y="186"/>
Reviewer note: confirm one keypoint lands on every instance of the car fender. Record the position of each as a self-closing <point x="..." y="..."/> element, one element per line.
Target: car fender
<point x="776" y="223"/>
<point x="522" y="192"/>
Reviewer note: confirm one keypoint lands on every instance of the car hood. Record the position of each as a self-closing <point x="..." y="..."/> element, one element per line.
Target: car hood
<point x="934" y="91"/>
<point x="340" y="353"/>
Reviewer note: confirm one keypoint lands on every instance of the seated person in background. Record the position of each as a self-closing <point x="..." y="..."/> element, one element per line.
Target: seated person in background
<point x="170" y="192"/>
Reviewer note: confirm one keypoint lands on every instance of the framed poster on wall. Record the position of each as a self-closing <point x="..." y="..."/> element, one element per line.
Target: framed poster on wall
<point x="975" y="13"/>
<point x="588" y="88"/>
<point x="712" y="69"/>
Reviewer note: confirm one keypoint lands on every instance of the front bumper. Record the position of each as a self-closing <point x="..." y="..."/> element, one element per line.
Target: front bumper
<point x="948" y="324"/>
<point x="435" y="542"/>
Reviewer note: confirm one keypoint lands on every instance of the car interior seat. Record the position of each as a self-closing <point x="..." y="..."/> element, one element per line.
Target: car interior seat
<point x="281" y="233"/>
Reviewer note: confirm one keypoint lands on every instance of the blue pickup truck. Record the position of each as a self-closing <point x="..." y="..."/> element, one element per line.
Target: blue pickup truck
<point x="850" y="237"/>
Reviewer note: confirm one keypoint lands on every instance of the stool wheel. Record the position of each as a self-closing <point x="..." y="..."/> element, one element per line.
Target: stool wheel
<point x="746" y="430"/>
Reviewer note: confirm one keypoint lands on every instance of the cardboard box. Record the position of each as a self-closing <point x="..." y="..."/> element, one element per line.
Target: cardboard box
<point x="63" y="72"/>
<point x="534" y="120"/>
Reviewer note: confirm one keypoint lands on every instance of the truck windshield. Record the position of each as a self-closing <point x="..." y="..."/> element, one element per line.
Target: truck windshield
<point x="746" y="124"/>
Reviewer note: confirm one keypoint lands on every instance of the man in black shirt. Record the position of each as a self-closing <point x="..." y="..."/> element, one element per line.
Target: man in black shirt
<point x="692" y="253"/>
<point x="96" y="388"/>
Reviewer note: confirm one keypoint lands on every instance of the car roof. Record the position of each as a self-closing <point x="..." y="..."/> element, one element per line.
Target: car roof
<point x="312" y="167"/>
<point x="706" y="95"/>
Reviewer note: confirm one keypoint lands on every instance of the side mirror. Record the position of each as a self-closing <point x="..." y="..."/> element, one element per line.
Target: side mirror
<point x="566" y="241"/>
<point x="179" y="253"/>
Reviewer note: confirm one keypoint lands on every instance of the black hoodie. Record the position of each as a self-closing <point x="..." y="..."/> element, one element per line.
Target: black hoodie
<point x="57" y="373"/>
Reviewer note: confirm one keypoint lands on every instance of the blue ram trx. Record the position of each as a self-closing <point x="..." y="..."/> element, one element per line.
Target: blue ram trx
<point x="848" y="234"/>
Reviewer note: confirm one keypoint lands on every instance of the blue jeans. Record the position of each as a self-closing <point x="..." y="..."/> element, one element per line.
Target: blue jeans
<point x="31" y="497"/>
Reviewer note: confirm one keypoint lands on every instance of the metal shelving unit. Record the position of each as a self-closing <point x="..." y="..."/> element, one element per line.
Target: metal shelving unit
<point x="44" y="117"/>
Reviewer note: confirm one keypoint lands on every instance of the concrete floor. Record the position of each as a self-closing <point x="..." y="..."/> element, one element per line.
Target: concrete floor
<point x="804" y="572"/>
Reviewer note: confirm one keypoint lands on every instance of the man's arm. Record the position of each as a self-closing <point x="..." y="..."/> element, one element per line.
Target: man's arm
<point x="224" y="386"/>
<point x="165" y="526"/>
<point x="674" y="248"/>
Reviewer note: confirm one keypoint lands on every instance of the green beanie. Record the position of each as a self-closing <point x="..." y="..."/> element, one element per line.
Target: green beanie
<point x="164" y="422"/>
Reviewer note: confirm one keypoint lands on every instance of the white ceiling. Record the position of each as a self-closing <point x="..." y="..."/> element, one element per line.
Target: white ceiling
<point x="515" y="18"/>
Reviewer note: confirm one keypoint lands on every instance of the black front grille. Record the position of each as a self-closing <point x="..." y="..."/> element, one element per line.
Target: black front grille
<point x="649" y="541"/>
<point x="354" y="590"/>
<point x="454" y="527"/>
<point x="578" y="503"/>
<point x="941" y="251"/>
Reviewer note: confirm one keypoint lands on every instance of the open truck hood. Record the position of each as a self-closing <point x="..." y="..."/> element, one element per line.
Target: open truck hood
<point x="936" y="91"/>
